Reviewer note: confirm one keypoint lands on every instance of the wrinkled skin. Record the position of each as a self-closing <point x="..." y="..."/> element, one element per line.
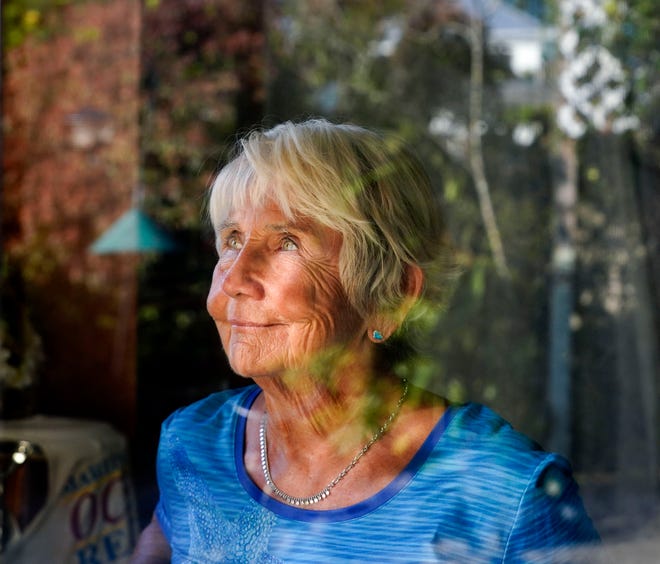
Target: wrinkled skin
<point x="285" y="321"/>
<point x="276" y="297"/>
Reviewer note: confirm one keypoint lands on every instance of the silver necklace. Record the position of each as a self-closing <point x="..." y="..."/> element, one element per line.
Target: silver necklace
<point x="291" y="500"/>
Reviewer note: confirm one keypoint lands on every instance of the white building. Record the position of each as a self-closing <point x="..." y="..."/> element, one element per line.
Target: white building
<point x="521" y="36"/>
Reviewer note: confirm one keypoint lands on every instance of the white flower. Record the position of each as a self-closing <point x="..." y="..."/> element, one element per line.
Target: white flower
<point x="525" y="134"/>
<point x="613" y="98"/>
<point x="568" y="42"/>
<point x="442" y="123"/>
<point x="570" y="122"/>
<point x="594" y="84"/>
<point x="453" y="132"/>
<point x="392" y="33"/>
<point x="625" y="123"/>
<point x="585" y="13"/>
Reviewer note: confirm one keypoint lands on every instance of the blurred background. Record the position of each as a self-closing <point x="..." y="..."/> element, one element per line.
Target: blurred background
<point x="539" y="122"/>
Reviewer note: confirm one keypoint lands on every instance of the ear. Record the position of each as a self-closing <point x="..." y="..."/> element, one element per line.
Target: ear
<point x="386" y="325"/>
<point x="413" y="285"/>
<point x="413" y="282"/>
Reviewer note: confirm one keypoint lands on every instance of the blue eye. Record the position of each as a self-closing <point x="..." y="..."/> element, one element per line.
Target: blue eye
<point x="289" y="245"/>
<point x="233" y="242"/>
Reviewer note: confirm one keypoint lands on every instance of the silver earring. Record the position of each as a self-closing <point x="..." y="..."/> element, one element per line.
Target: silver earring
<point x="377" y="335"/>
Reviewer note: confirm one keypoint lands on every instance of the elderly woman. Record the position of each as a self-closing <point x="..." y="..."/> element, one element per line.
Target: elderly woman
<point x="329" y="239"/>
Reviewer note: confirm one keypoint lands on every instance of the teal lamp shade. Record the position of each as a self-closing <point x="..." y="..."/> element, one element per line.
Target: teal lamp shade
<point x="134" y="232"/>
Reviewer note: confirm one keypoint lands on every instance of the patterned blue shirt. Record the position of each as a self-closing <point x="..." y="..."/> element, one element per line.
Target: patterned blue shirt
<point x="476" y="491"/>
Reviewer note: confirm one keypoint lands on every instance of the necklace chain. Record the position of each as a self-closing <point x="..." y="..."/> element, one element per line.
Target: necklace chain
<point x="291" y="500"/>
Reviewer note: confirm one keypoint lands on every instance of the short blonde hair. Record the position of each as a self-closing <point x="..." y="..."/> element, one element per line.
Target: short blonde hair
<point x="368" y="187"/>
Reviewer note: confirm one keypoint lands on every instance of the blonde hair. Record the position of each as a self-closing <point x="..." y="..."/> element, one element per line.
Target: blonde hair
<point x="368" y="187"/>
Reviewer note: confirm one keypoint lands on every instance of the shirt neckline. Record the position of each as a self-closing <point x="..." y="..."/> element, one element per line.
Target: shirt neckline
<point x="328" y="515"/>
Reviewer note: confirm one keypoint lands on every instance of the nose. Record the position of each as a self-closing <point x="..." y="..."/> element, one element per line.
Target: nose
<point x="237" y="278"/>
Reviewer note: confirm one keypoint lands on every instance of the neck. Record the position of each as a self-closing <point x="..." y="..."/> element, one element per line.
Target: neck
<point x="341" y="407"/>
<point x="322" y="495"/>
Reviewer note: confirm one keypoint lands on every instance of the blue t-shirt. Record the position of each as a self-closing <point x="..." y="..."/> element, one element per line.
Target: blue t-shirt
<point x="476" y="491"/>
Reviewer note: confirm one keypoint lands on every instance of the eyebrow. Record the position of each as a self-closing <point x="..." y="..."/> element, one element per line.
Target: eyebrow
<point x="226" y="225"/>
<point x="283" y="227"/>
<point x="304" y="227"/>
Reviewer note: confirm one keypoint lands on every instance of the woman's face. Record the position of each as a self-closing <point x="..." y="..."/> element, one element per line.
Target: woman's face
<point x="275" y="296"/>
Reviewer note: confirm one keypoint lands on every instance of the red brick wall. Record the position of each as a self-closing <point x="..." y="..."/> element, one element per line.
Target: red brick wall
<point x="57" y="200"/>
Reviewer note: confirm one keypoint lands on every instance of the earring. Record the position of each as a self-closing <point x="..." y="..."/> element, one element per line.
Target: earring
<point x="377" y="335"/>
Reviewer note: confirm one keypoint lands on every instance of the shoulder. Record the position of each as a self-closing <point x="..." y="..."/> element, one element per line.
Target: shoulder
<point x="476" y="422"/>
<point x="503" y="483"/>
<point x="212" y="418"/>
<point x="533" y="487"/>
<point x="496" y="464"/>
<point x="209" y="411"/>
<point x="477" y="431"/>
<point x="201" y="435"/>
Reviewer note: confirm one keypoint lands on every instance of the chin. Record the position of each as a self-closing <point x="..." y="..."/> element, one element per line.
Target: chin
<point x="249" y="368"/>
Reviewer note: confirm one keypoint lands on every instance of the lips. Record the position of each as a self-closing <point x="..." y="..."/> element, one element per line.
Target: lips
<point x="250" y="324"/>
